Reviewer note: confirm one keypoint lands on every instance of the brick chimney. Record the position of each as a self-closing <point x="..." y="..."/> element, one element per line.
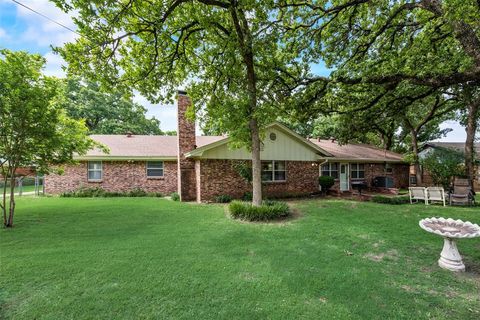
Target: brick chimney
<point x="186" y="143"/>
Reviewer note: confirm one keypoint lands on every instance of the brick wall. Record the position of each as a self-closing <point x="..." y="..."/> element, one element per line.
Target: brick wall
<point x="219" y="177"/>
<point x="186" y="143"/>
<point x="118" y="176"/>
<point x="400" y="174"/>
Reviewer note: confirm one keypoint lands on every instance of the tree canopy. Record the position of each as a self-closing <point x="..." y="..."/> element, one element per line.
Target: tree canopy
<point x="386" y="52"/>
<point x="106" y="113"/>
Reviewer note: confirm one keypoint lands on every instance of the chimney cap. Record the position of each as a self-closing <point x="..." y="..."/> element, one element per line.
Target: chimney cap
<point x="182" y="92"/>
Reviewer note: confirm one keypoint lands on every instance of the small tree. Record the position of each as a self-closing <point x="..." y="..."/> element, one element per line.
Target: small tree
<point x="34" y="129"/>
<point x="443" y="165"/>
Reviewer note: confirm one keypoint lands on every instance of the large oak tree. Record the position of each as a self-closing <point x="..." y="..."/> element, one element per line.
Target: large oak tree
<point x="387" y="45"/>
<point x="230" y="55"/>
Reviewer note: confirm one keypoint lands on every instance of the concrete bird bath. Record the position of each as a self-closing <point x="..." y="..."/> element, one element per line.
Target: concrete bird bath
<point x="450" y="230"/>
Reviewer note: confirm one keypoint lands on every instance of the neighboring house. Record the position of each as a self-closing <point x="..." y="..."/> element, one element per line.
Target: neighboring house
<point x="428" y="147"/>
<point x="203" y="167"/>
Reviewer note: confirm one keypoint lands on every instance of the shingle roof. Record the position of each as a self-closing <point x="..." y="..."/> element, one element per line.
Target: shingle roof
<point x="137" y="146"/>
<point x="459" y="146"/>
<point x="357" y="151"/>
<point x="143" y="146"/>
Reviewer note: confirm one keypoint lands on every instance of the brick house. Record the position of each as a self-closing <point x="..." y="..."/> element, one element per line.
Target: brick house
<point x="200" y="168"/>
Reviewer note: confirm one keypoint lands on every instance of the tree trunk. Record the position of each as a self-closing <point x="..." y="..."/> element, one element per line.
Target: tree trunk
<point x="416" y="160"/>
<point x="256" y="164"/>
<point x="4" y="198"/>
<point x="471" y="129"/>
<point x="11" y="207"/>
<point x="388" y="144"/>
<point x="246" y="48"/>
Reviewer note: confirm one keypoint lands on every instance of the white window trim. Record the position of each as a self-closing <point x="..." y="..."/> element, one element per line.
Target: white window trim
<point x="354" y="167"/>
<point x="95" y="170"/>
<point x="330" y="169"/>
<point x="155" y="177"/>
<point x="273" y="171"/>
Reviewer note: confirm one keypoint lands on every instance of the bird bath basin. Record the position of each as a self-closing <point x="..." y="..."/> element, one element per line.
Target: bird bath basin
<point x="450" y="230"/>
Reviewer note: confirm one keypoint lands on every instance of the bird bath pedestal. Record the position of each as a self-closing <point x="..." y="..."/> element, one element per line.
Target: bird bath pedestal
<point x="450" y="230"/>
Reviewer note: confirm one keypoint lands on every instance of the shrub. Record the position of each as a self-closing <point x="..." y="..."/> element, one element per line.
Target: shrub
<point x="326" y="182"/>
<point x="247" y="196"/>
<point x="269" y="210"/>
<point x="99" y="192"/>
<point x="391" y="200"/>
<point x="223" y="198"/>
<point x="85" y="192"/>
<point x="175" y="196"/>
<point x="155" y="194"/>
<point x="137" y="192"/>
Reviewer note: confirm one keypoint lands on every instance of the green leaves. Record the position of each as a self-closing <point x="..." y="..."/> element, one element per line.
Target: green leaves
<point x="34" y="129"/>
<point x="106" y="113"/>
<point x="444" y="164"/>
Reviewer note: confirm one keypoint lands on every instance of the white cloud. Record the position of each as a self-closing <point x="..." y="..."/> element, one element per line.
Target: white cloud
<point x="54" y="65"/>
<point x="458" y="133"/>
<point x="3" y="34"/>
<point x="42" y="31"/>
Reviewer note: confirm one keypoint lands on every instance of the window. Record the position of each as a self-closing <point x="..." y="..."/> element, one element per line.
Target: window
<point x="357" y="170"/>
<point x="154" y="169"/>
<point x="388" y="168"/>
<point x="95" y="170"/>
<point x="274" y="171"/>
<point x="330" y="169"/>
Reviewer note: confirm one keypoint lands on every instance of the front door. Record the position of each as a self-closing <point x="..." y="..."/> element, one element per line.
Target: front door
<point x="344" y="185"/>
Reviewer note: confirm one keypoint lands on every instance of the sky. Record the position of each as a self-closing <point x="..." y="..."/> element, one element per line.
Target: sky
<point x="22" y="29"/>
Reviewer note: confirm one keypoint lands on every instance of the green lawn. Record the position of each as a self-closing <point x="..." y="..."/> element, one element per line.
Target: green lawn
<point x="26" y="189"/>
<point x="149" y="258"/>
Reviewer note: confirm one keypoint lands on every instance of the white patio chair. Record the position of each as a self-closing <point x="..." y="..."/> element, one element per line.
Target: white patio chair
<point x="418" y="193"/>
<point x="436" y="194"/>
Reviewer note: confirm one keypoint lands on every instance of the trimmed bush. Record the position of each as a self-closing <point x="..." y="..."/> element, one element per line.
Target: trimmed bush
<point x="326" y="182"/>
<point x="98" y="192"/>
<point x="269" y="210"/>
<point x="223" y="198"/>
<point x="391" y="200"/>
<point x="175" y="196"/>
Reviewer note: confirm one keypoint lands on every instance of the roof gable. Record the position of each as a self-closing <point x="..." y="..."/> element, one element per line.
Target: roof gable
<point x="458" y="146"/>
<point x="287" y="146"/>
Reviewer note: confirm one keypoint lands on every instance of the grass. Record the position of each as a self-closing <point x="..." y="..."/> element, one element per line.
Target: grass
<point x="24" y="189"/>
<point x="148" y="258"/>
